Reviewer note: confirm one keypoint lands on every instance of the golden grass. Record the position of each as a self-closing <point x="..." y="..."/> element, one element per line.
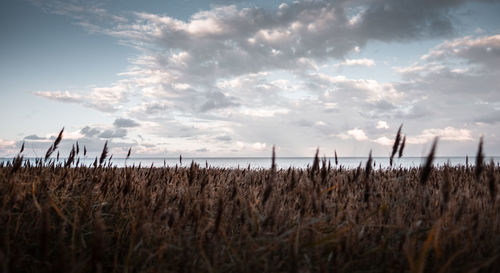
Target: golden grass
<point x="64" y="218"/>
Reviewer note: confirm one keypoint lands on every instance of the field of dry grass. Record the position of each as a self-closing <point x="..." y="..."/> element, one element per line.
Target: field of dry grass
<point x="60" y="217"/>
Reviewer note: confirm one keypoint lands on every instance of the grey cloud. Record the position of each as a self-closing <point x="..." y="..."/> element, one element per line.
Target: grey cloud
<point x="152" y="108"/>
<point x="217" y="100"/>
<point x="125" y="123"/>
<point x="457" y="92"/>
<point x="118" y="133"/>
<point x="419" y="110"/>
<point x="174" y="129"/>
<point x="483" y="51"/>
<point x="492" y="117"/>
<point x="444" y="94"/>
<point x="34" y="137"/>
<point x="82" y="11"/>
<point x="89" y="132"/>
<point x="92" y="145"/>
<point x="383" y="105"/>
<point x="227" y="41"/>
<point x="303" y="123"/>
<point x="183" y="63"/>
<point x="390" y="20"/>
<point x="224" y="138"/>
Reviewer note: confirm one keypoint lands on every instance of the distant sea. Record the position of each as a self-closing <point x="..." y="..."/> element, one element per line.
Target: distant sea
<point x="281" y="162"/>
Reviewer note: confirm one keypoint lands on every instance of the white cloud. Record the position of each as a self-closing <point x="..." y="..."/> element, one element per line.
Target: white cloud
<point x="416" y="69"/>
<point x="384" y="141"/>
<point x="446" y="134"/>
<point x="358" y="62"/>
<point x="65" y="96"/>
<point x="320" y="123"/>
<point x="382" y="125"/>
<point x="474" y="49"/>
<point x="125" y="123"/>
<point x="68" y="135"/>
<point x="253" y="74"/>
<point x="8" y="148"/>
<point x="105" y="99"/>
<point x="355" y="133"/>
<point x="264" y="112"/>
<point x="450" y="82"/>
<point x="178" y="66"/>
<point x="108" y="99"/>
<point x="6" y="143"/>
<point x="368" y="90"/>
<point x="256" y="146"/>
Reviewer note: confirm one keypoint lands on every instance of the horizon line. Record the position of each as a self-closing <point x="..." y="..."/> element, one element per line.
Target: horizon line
<point x="257" y="157"/>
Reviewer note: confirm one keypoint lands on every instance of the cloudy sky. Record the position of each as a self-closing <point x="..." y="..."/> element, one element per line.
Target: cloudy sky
<point x="234" y="78"/>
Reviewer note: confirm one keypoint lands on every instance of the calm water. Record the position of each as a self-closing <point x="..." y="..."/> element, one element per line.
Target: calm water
<point x="281" y="162"/>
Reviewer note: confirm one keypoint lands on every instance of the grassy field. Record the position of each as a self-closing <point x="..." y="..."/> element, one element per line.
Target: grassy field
<point x="60" y="217"/>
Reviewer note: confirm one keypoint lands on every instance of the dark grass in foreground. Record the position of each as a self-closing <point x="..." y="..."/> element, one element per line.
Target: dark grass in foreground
<point x="322" y="219"/>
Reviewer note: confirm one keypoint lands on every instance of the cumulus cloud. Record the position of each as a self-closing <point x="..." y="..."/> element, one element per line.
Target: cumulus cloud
<point x="483" y="50"/>
<point x="256" y="146"/>
<point x="357" y="62"/>
<point x="125" y="123"/>
<point x="84" y="12"/>
<point x="184" y="67"/>
<point x="104" y="133"/>
<point x="446" y="134"/>
<point x="223" y="138"/>
<point x="89" y="137"/>
<point x="243" y="78"/>
<point x="118" y="133"/>
<point x="216" y="100"/>
<point x="89" y="132"/>
<point x="34" y="137"/>
<point x="108" y="99"/>
<point x="492" y="117"/>
<point x="368" y="90"/>
<point x="456" y="83"/>
<point x="482" y="54"/>
<point x="105" y="99"/>
<point x="297" y="35"/>
<point x="406" y="19"/>
<point x="6" y="144"/>
<point x="60" y="96"/>
<point x="382" y="125"/>
<point x="384" y="141"/>
<point x="355" y="133"/>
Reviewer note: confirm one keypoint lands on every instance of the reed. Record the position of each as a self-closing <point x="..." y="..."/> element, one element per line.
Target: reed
<point x="492" y="183"/>
<point x="104" y="153"/>
<point x="402" y="147"/>
<point x="426" y="170"/>
<point x="55" y="145"/>
<point x="395" y="146"/>
<point x="57" y="217"/>
<point x="479" y="159"/>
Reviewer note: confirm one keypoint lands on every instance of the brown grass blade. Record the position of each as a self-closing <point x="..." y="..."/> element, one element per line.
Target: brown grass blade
<point x="426" y="171"/>
<point x="396" y="144"/>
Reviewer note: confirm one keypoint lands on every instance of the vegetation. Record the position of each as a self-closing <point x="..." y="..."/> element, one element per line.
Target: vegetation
<point x="63" y="217"/>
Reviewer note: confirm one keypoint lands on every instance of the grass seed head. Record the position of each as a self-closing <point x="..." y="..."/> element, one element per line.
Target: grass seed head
<point x="426" y="170"/>
<point x="104" y="153"/>
<point x="396" y="144"/>
<point x="479" y="159"/>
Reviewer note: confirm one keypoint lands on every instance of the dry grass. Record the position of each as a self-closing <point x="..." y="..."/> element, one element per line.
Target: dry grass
<point x="57" y="217"/>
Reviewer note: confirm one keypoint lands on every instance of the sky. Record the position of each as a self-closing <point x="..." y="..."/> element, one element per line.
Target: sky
<point x="233" y="78"/>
